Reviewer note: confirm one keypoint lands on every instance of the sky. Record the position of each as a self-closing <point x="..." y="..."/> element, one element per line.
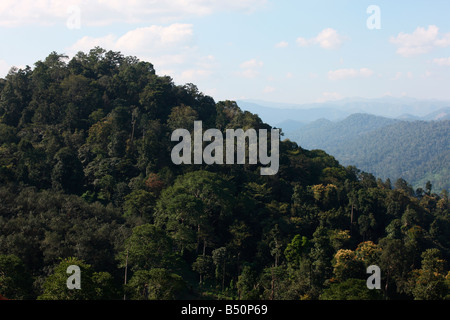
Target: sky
<point x="286" y="51"/>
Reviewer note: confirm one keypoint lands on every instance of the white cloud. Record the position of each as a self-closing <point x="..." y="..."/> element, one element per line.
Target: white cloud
<point x="269" y="89"/>
<point x="191" y="75"/>
<point x="21" y="12"/>
<point x="203" y="68"/>
<point x="282" y="44"/>
<point x="212" y="92"/>
<point x="142" y="40"/>
<point x="442" y="61"/>
<point x="251" y="64"/>
<point x="164" y="46"/>
<point x="302" y="42"/>
<point x="249" y="73"/>
<point x="364" y="72"/>
<point x="341" y="74"/>
<point x="250" y="68"/>
<point x="108" y="42"/>
<point x="327" y="39"/>
<point x="104" y="12"/>
<point x="159" y="37"/>
<point x="427" y="74"/>
<point x="444" y="41"/>
<point x="421" y="41"/>
<point x="398" y="76"/>
<point x="4" y="68"/>
<point x="171" y="49"/>
<point x="329" y="96"/>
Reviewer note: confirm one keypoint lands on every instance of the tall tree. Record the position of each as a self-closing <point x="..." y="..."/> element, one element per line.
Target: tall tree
<point x="148" y="247"/>
<point x="193" y="209"/>
<point x="15" y="280"/>
<point x="94" y="285"/>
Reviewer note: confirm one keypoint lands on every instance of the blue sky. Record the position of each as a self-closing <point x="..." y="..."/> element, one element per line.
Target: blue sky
<point x="284" y="50"/>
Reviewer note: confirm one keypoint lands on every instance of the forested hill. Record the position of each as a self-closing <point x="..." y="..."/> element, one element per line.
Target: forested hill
<point x="324" y="134"/>
<point x="87" y="179"/>
<point x="417" y="151"/>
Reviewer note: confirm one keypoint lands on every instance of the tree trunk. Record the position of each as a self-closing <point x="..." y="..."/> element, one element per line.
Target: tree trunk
<point x="272" y="293"/>
<point x="126" y="269"/>
<point x="204" y="247"/>
<point x="223" y="276"/>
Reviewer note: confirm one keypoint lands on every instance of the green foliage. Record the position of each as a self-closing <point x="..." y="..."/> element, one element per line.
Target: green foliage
<point x="155" y="284"/>
<point x="94" y="286"/>
<point x="351" y="289"/>
<point x="15" y="281"/>
<point x="429" y="282"/>
<point x="139" y="203"/>
<point x="296" y="249"/>
<point x="204" y="266"/>
<point x="148" y="247"/>
<point x="193" y="207"/>
<point x="415" y="151"/>
<point x="67" y="173"/>
<point x="85" y="172"/>
<point x="247" y="283"/>
<point x="41" y="227"/>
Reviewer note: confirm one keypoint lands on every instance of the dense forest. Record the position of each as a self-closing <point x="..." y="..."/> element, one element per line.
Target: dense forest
<point x="87" y="179"/>
<point x="416" y="151"/>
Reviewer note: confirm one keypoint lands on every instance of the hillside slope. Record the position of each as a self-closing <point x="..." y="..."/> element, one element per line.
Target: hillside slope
<point x="87" y="179"/>
<point x="325" y="134"/>
<point x="417" y="151"/>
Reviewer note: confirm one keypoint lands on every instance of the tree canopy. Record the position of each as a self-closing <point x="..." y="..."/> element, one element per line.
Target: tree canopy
<point x="86" y="178"/>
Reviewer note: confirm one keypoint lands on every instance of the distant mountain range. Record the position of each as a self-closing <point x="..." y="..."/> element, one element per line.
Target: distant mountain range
<point x="290" y="116"/>
<point x="325" y="134"/>
<point x="402" y="137"/>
